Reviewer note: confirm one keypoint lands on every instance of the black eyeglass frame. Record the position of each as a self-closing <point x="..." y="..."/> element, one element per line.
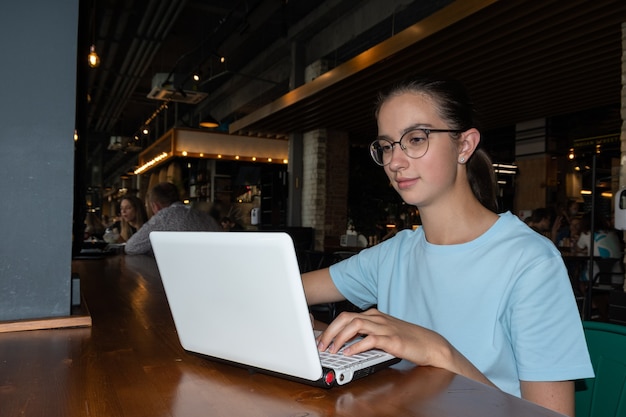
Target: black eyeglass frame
<point x="374" y="151"/>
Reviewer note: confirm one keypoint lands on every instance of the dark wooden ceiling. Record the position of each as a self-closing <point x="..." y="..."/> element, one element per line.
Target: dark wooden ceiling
<point x="521" y="60"/>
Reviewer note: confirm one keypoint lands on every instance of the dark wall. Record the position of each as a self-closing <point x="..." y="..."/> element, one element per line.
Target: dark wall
<point x="38" y="74"/>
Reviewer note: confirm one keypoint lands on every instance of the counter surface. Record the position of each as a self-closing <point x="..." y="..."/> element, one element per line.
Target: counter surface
<point x="130" y="363"/>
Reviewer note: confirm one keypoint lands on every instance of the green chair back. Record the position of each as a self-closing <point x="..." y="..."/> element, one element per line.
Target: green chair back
<point x="604" y="395"/>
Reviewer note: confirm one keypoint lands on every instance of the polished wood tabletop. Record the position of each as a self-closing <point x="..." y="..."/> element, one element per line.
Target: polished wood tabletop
<point x="130" y="363"/>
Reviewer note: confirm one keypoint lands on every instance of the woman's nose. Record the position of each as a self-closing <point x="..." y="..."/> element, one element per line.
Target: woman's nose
<point x="399" y="159"/>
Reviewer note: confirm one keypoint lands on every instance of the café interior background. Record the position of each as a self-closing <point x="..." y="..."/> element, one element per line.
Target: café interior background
<point x="545" y="76"/>
<point x="546" y="81"/>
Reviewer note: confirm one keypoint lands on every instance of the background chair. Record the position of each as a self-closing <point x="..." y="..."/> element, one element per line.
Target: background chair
<point x="604" y="395"/>
<point x="617" y="307"/>
<point x="608" y="275"/>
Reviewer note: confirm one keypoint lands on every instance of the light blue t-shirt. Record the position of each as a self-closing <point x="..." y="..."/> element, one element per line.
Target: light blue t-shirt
<point x="504" y="300"/>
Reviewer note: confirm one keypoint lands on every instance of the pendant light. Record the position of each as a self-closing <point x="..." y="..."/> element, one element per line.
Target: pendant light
<point x="93" y="59"/>
<point x="209" y="122"/>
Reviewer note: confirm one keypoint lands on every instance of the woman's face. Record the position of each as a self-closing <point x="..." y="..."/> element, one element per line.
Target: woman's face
<point x="127" y="211"/>
<point x="418" y="181"/>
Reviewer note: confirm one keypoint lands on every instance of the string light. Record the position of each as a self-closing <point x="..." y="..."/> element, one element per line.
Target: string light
<point x="150" y="163"/>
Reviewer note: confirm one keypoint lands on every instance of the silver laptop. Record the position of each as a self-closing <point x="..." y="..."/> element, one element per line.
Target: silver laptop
<point x="238" y="297"/>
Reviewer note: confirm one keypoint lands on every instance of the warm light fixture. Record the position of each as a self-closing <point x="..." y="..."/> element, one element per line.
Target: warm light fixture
<point x="506" y="169"/>
<point x="571" y="154"/>
<point x="209" y="122"/>
<point x="151" y="162"/>
<point x="93" y="58"/>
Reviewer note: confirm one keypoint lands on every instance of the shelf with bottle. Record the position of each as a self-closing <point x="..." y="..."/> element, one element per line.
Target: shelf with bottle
<point x="199" y="173"/>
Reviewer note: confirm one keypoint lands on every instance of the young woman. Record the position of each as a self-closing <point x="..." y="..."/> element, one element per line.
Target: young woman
<point x="132" y="217"/>
<point x="472" y="291"/>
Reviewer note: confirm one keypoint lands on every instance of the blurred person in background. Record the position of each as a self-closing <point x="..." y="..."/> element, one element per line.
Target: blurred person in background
<point x="170" y="214"/>
<point x="132" y="217"/>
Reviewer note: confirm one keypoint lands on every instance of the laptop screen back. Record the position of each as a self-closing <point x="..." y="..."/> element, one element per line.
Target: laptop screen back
<point x="238" y="296"/>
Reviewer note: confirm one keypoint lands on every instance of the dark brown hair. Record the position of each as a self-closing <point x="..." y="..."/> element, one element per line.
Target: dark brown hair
<point x="140" y="216"/>
<point x="164" y="193"/>
<point x="456" y="108"/>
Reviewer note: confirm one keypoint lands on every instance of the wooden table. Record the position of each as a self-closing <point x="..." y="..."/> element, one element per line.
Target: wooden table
<point x="130" y="363"/>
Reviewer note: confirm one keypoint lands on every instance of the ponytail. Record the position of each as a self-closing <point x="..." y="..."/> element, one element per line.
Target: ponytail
<point x="482" y="179"/>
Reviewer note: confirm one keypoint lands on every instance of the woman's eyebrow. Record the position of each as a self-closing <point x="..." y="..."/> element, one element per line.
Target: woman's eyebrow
<point x="405" y="130"/>
<point x="417" y="126"/>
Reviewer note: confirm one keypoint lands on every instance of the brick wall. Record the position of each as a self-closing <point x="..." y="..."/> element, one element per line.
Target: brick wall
<point x="325" y="184"/>
<point x="337" y="179"/>
<point x="314" y="181"/>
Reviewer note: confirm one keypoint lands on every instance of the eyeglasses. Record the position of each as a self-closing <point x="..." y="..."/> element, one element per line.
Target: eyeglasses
<point x="414" y="143"/>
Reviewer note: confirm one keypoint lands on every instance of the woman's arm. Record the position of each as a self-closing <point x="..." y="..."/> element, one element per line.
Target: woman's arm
<point x="398" y="337"/>
<point x="319" y="287"/>
<point x="428" y="348"/>
<point x="555" y="395"/>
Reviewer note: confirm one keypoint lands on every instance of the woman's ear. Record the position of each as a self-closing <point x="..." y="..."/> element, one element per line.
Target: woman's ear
<point x="468" y="142"/>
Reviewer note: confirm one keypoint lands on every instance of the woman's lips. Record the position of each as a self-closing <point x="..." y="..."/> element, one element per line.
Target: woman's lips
<point x="404" y="183"/>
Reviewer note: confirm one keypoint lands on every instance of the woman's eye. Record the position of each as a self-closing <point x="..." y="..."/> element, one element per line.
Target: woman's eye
<point x="415" y="139"/>
<point x="385" y="147"/>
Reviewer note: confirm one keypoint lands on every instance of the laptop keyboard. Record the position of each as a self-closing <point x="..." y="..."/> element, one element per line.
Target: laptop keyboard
<point x="338" y="360"/>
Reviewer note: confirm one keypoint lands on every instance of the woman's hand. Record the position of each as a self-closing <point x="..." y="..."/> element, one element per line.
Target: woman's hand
<point x="397" y="337"/>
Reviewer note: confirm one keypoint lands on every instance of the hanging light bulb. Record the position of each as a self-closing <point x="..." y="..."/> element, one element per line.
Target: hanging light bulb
<point x="571" y="154"/>
<point x="93" y="58"/>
